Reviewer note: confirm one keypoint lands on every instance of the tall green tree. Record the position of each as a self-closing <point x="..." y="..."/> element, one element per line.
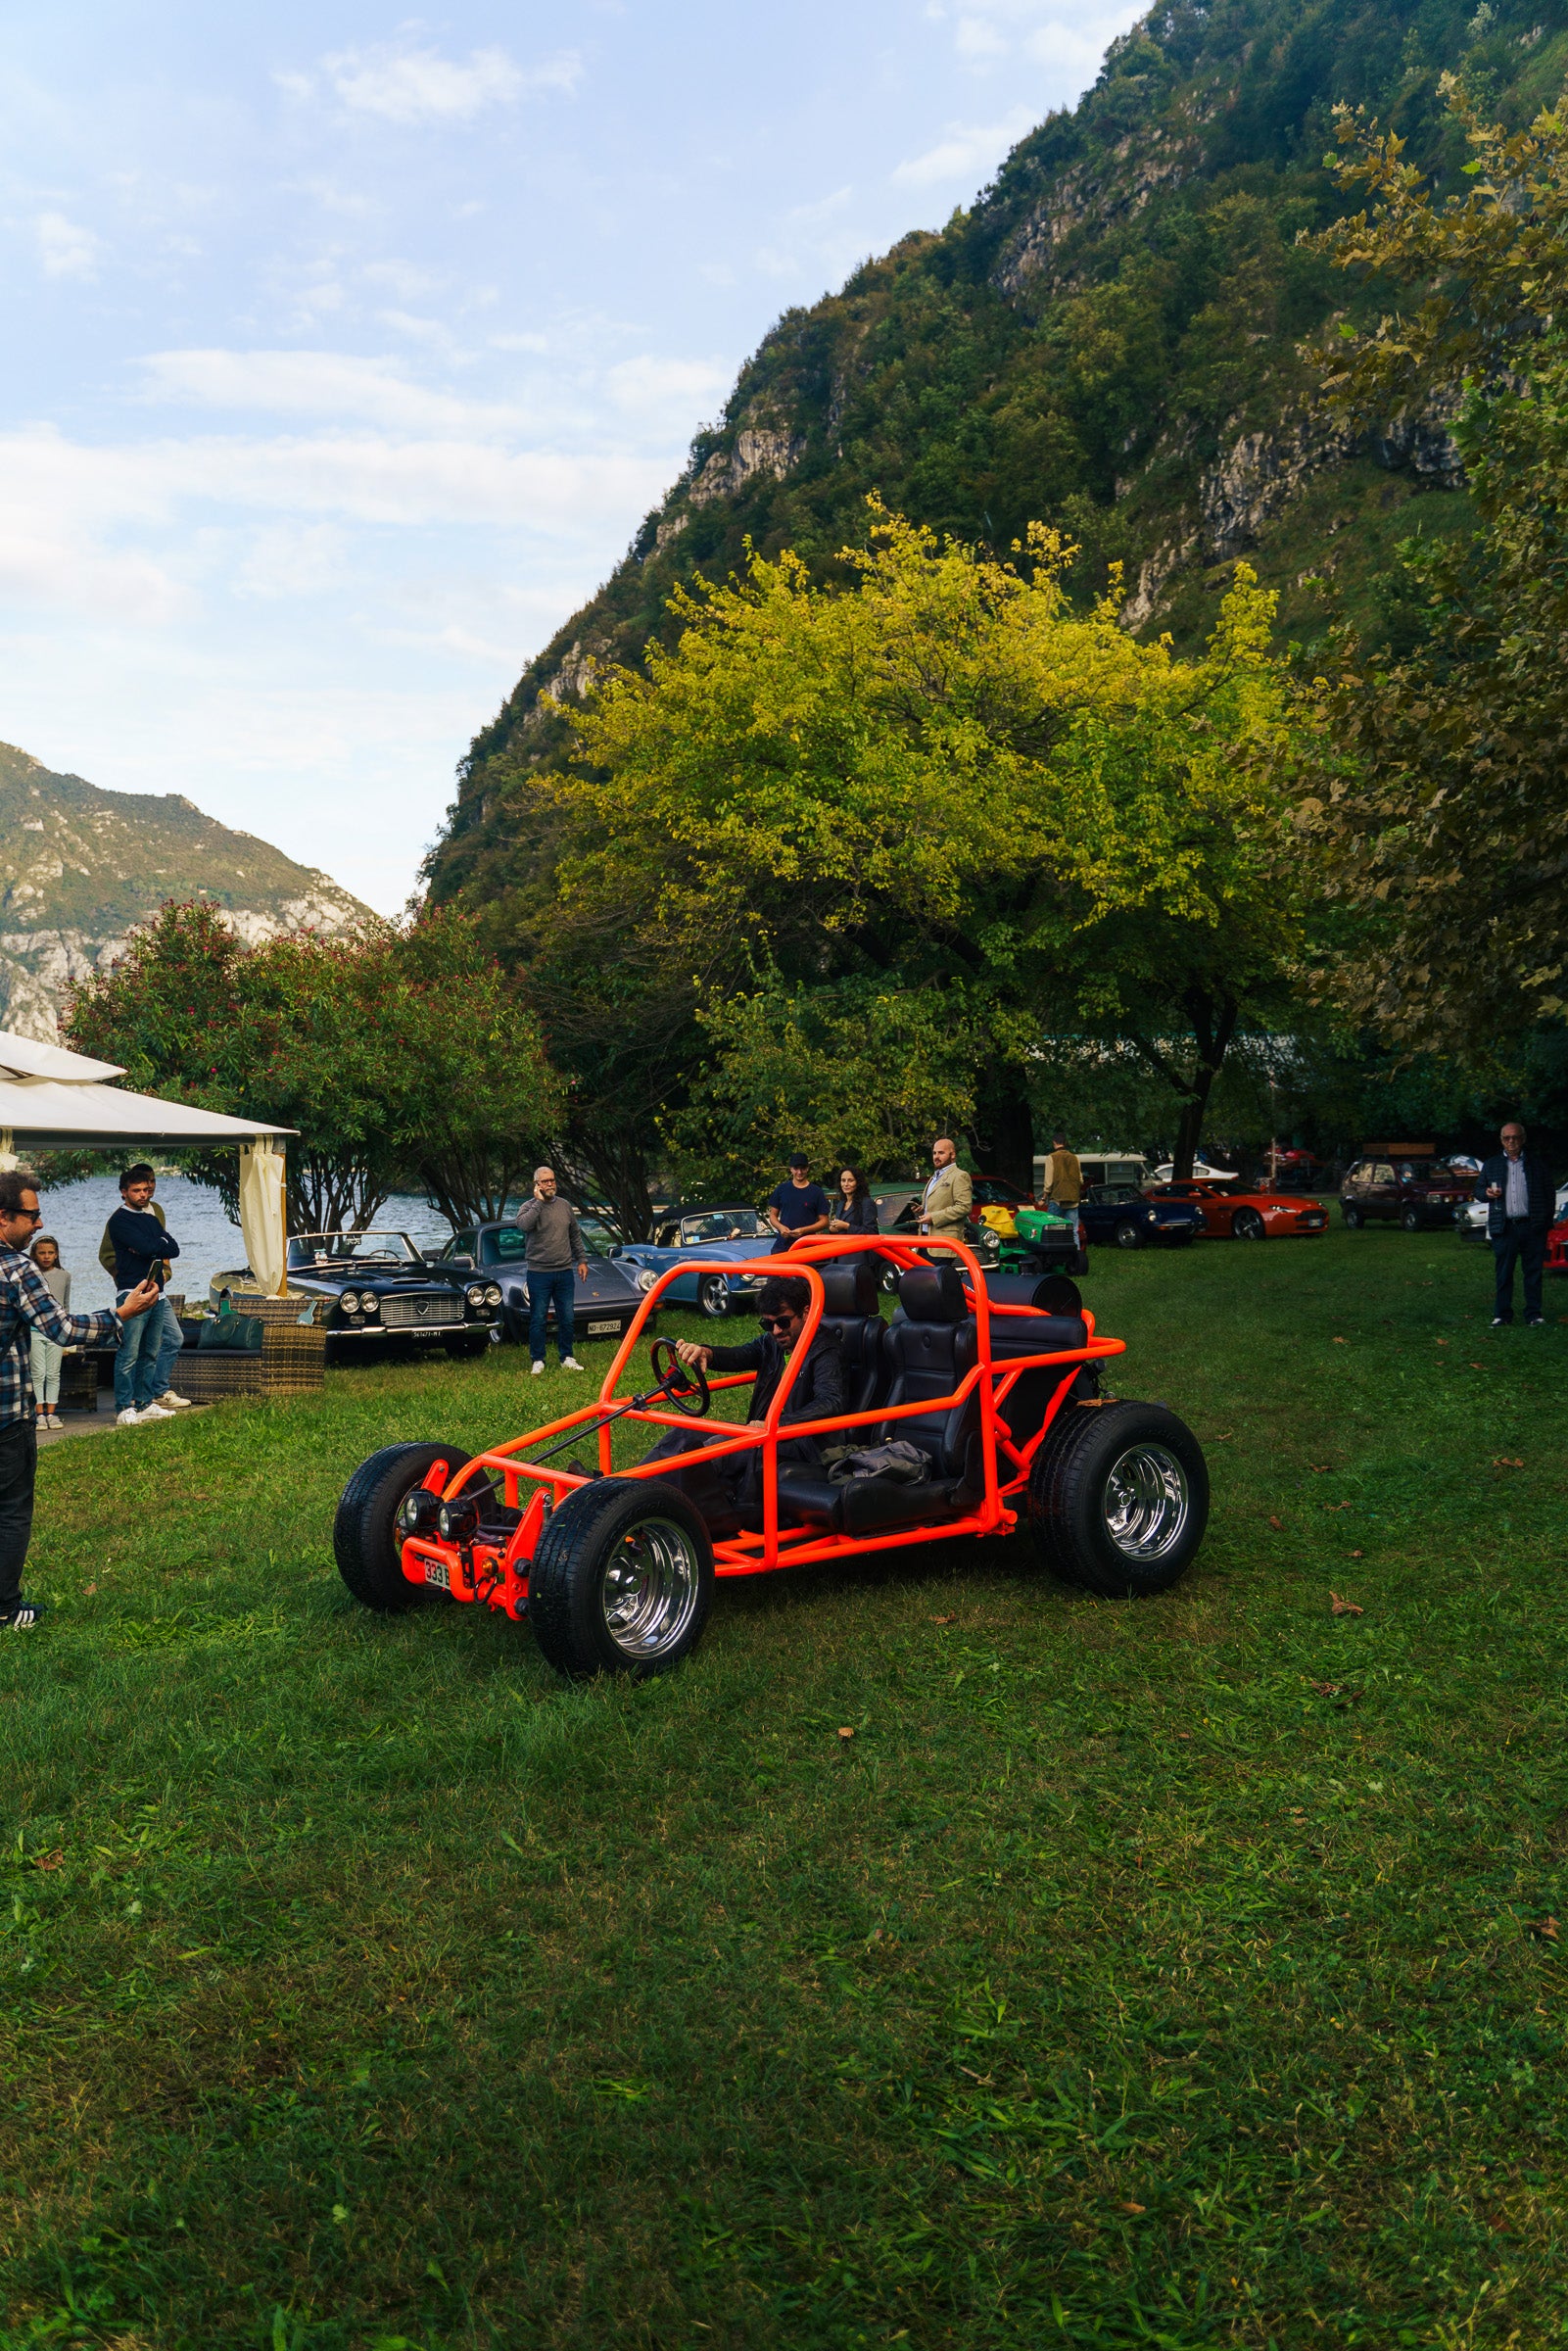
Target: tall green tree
<point x="944" y="779"/>
<point x="1435" y="788"/>
<point x="399" y="1056"/>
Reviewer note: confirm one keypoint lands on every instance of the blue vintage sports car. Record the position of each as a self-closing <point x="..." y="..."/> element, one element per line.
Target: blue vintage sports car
<point x="603" y="1302"/>
<point x="726" y="1234"/>
<point x="1120" y="1213"/>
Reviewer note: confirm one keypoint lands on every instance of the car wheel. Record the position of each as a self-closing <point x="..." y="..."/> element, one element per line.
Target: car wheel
<point x="1128" y="1237"/>
<point x="622" y="1581"/>
<point x="1411" y="1219"/>
<point x="1077" y="1263"/>
<point x="713" y="1296"/>
<point x="1354" y="1219"/>
<point x="1119" y="1499"/>
<point x="1247" y="1226"/>
<point x="891" y="1280"/>
<point x="364" y="1533"/>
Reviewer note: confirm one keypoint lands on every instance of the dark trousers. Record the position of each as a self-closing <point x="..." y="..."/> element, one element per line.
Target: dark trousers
<point x="18" y="1466"/>
<point x="1519" y="1243"/>
<point x="545" y="1290"/>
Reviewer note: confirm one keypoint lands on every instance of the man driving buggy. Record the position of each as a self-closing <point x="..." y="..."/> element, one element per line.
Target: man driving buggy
<point x="817" y="1394"/>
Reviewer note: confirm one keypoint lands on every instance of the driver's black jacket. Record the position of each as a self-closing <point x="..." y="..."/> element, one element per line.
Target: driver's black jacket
<point x="817" y="1393"/>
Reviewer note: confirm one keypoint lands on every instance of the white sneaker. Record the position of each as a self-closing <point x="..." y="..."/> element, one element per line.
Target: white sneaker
<point x="537" y="1369"/>
<point x="130" y="1418"/>
<point x="173" y="1403"/>
<point x="53" y="1420"/>
<point x="569" y="1363"/>
<point x="153" y="1411"/>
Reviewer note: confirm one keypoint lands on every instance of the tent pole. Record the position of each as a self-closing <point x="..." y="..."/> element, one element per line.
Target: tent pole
<point x="282" y="1149"/>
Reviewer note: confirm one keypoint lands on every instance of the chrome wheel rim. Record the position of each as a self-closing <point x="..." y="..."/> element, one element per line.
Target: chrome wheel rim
<point x="1147" y="1502"/>
<point x="713" y="1295"/>
<point x="651" y="1585"/>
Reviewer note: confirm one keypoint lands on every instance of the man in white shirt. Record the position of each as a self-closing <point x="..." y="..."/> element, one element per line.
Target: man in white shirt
<point x="1517" y="1188"/>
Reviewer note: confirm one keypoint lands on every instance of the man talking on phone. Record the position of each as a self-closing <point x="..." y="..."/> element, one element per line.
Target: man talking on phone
<point x="26" y="1304"/>
<point x="554" y="1244"/>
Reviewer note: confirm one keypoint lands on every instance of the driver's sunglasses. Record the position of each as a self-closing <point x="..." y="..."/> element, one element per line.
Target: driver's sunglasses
<point x="775" y="1322"/>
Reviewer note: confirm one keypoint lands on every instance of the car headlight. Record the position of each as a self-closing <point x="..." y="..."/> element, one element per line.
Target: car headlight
<point x="369" y="1302"/>
<point x="350" y="1302"/>
<point x="493" y="1293"/>
<point x="475" y="1293"/>
<point x="645" y="1277"/>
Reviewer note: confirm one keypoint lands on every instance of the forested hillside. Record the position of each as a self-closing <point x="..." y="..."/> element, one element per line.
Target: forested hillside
<point x="1109" y="340"/>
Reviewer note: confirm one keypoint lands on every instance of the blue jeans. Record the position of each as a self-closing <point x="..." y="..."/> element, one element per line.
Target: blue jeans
<point x="149" y="1346"/>
<point x="543" y="1291"/>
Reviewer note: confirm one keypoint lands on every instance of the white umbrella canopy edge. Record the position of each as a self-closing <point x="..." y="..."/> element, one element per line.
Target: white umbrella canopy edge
<point x="55" y="1100"/>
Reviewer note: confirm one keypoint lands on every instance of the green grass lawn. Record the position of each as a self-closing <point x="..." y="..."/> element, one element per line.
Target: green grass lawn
<point x="1184" y="1973"/>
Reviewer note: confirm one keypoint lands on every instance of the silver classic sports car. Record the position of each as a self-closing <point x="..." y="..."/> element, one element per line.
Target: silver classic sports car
<point x="602" y="1305"/>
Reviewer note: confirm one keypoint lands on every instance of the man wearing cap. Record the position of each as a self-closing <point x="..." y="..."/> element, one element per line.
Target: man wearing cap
<point x="797" y="1209"/>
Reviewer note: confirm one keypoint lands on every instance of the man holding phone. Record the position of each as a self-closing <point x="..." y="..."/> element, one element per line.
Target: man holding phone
<point x="555" y="1245"/>
<point x="26" y="1304"/>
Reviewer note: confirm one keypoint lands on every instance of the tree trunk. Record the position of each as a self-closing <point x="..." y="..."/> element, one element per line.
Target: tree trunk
<point x="1002" y="1135"/>
<point x="1213" y="1025"/>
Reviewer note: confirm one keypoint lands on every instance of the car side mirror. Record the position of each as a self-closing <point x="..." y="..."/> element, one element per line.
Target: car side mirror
<point x="466" y="1263"/>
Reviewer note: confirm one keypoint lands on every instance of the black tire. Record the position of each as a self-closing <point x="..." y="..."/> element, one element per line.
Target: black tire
<point x="1128" y="1235"/>
<point x="1076" y="1263"/>
<point x="471" y="1344"/>
<point x="1352" y="1218"/>
<point x="1247" y="1226"/>
<point x="586" y="1542"/>
<point x="1104" y="1468"/>
<point x="890" y="1280"/>
<point x="1412" y="1220"/>
<point x="713" y="1296"/>
<point x="365" y="1535"/>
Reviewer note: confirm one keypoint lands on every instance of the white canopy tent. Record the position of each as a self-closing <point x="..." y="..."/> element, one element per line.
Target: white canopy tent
<point x="52" y="1100"/>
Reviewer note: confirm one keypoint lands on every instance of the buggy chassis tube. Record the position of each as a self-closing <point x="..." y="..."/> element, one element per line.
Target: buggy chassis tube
<point x="504" y="1578"/>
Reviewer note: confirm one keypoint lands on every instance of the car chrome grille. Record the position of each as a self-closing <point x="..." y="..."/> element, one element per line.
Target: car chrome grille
<point x="419" y="1314"/>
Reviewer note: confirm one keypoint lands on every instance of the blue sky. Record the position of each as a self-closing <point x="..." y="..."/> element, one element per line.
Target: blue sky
<point x="346" y="350"/>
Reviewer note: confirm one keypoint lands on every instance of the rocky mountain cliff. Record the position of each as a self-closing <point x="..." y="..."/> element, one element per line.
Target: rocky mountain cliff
<point x="79" y="867"/>
<point x="1109" y="340"/>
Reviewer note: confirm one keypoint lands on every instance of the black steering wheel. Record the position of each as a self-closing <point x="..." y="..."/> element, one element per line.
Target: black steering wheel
<point x="681" y="1381"/>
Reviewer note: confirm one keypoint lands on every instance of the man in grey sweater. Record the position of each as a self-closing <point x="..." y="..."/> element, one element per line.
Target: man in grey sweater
<point x="554" y="1246"/>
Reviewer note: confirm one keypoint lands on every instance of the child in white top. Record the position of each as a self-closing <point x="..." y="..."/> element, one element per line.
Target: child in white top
<point x="46" y="1356"/>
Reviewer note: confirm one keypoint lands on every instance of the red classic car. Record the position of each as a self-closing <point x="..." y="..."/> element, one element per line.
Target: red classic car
<point x="1558" y="1249"/>
<point x="1242" y="1212"/>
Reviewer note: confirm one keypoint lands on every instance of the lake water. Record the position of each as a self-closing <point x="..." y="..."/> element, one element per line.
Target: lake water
<point x="77" y="1214"/>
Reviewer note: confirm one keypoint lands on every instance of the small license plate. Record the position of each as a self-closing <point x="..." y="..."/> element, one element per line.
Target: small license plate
<point x="435" y="1573"/>
<point x="604" y="1330"/>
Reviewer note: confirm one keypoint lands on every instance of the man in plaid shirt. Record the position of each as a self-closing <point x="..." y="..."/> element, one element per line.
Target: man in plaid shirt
<point x="28" y="1304"/>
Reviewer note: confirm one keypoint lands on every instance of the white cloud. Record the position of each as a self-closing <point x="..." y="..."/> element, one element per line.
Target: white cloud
<point x="658" y="389"/>
<point x="407" y="86"/>
<point x="319" y="383"/>
<point x="64" y="248"/>
<point x="1066" y="38"/>
<point x="967" y="153"/>
<point x="291" y="558"/>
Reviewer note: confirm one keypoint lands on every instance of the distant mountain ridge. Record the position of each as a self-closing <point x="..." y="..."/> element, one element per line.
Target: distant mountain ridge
<point x="1110" y="339"/>
<point x="82" y="866"/>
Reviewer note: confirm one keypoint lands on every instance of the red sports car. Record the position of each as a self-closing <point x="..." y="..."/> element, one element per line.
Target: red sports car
<point x="1242" y="1212"/>
<point x="1558" y="1249"/>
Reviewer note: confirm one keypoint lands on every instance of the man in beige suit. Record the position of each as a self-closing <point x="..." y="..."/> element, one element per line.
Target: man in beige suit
<point x="949" y="1195"/>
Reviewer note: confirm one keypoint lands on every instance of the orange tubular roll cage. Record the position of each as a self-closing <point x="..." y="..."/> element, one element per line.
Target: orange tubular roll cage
<point x="500" y="1571"/>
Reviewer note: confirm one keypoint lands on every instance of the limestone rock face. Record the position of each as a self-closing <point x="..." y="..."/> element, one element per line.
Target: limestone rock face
<point x="81" y="868"/>
<point x="769" y="450"/>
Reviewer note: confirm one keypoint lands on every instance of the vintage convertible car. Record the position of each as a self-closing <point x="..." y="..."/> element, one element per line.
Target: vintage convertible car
<point x="602" y="1305"/>
<point x="1120" y="1213"/>
<point x="382" y="1291"/>
<point x="977" y="1410"/>
<point x="1242" y="1212"/>
<point x="721" y="1236"/>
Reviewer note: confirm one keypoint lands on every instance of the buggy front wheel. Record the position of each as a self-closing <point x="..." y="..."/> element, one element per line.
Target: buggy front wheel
<point x="1119" y="1498"/>
<point x="367" y="1536"/>
<point x="622" y="1581"/>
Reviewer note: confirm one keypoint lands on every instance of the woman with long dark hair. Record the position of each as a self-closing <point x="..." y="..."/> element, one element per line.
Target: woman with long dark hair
<point x="853" y="1211"/>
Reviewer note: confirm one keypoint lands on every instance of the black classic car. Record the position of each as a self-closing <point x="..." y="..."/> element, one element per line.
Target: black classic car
<point x="383" y="1292"/>
<point x="602" y="1306"/>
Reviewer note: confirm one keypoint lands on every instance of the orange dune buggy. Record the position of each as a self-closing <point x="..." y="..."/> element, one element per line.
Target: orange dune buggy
<point x="996" y="1384"/>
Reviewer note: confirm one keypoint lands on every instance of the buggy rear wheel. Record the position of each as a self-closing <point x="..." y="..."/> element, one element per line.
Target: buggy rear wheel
<point x="365" y="1535"/>
<point x="622" y="1581"/>
<point x="1119" y="1499"/>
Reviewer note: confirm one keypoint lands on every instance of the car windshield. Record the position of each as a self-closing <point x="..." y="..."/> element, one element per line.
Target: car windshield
<point x="1447" y="1170"/>
<point x="1113" y="1195"/>
<point x="719" y="1224"/>
<point x="351" y="1248"/>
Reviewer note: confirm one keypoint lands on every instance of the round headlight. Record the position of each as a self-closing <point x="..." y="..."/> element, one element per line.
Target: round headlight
<point x="369" y="1302"/>
<point x="645" y="1277"/>
<point x="350" y="1302"/>
<point x="493" y="1293"/>
<point x="459" y="1520"/>
<point x="475" y="1293"/>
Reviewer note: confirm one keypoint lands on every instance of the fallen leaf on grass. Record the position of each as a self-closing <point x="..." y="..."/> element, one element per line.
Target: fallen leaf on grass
<point x="944" y="1620"/>
<point x="1445" y="1342"/>
<point x="1274" y="1522"/>
<point x="1545" y="1930"/>
<point x="1507" y="1460"/>
<point x="1226" y="1434"/>
<point x="1132" y="2208"/>
<point x="1343" y="1608"/>
<point x="1357" y="1555"/>
<point x="1478" y="1367"/>
<point x="846" y="1732"/>
<point x="1338" y="1506"/>
<point x="1319" y="1469"/>
<point x="54" y="1860"/>
<point x="1342" y="1342"/>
